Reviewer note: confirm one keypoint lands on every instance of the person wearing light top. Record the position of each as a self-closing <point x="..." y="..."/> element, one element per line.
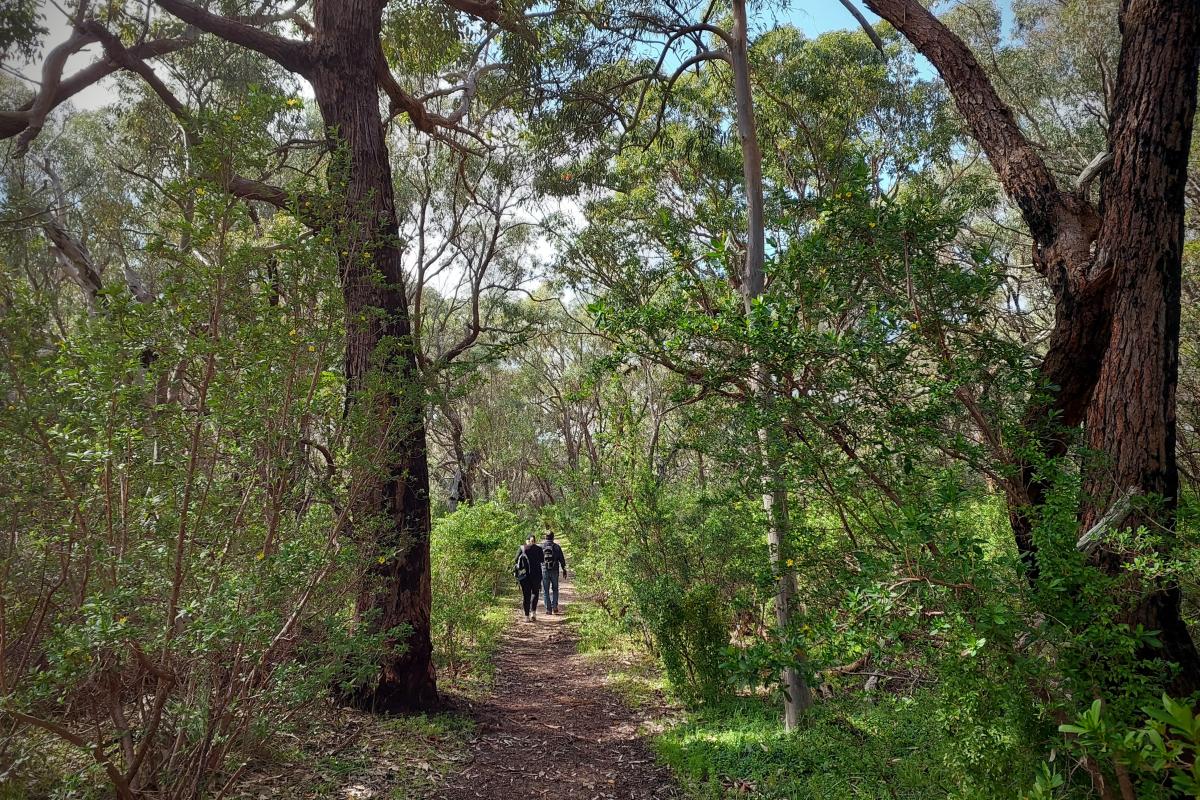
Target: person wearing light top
<point x="552" y="559"/>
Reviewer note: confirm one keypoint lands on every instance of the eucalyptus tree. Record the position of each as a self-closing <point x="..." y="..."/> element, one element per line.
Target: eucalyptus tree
<point x="472" y="221"/>
<point x="1114" y="270"/>
<point x="706" y="227"/>
<point x="341" y="53"/>
<point x="730" y="45"/>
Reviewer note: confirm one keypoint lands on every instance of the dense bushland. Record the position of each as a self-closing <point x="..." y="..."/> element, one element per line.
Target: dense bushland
<point x="858" y="371"/>
<point x="472" y="549"/>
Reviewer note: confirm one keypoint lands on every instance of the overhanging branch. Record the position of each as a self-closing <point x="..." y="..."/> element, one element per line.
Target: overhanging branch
<point x="1022" y="172"/>
<point x="291" y="55"/>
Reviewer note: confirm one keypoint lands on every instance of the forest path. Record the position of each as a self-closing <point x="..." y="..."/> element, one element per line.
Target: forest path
<point x="552" y="727"/>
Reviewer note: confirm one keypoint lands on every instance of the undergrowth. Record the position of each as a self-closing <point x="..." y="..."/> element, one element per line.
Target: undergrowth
<point x="890" y="748"/>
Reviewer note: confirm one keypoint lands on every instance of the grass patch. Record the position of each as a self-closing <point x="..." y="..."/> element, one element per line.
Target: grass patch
<point x="855" y="748"/>
<point x="600" y="632"/>
<point x="477" y="673"/>
<point x="638" y="681"/>
<point x="364" y="757"/>
<point x="430" y="746"/>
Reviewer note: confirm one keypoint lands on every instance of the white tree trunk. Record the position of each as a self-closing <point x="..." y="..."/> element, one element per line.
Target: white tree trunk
<point x="797" y="695"/>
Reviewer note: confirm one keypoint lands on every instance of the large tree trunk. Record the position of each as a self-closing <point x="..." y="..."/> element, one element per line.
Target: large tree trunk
<point x="391" y="509"/>
<point x="1066" y="381"/>
<point x="1115" y="272"/>
<point x="1131" y="419"/>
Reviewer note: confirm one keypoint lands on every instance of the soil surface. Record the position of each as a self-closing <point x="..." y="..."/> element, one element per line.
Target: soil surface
<point x="552" y="727"/>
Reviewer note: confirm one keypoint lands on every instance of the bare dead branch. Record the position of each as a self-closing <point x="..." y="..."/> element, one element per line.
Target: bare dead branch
<point x="52" y="71"/>
<point x="868" y="29"/>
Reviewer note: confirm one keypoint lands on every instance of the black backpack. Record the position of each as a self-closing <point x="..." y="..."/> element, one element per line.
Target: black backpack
<point x="548" y="562"/>
<point x="521" y="567"/>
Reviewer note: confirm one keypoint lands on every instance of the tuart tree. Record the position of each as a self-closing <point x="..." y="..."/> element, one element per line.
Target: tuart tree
<point x="1114" y="268"/>
<point x="342" y="58"/>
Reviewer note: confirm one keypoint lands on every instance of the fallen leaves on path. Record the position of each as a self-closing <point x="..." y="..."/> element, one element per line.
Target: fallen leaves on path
<point x="553" y="728"/>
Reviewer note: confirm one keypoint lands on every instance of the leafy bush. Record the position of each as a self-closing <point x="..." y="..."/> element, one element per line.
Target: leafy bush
<point x="881" y="747"/>
<point x="672" y="567"/>
<point x="180" y="584"/>
<point x="471" y="552"/>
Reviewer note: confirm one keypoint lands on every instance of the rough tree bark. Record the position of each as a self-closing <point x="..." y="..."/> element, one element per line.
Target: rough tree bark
<point x="343" y="63"/>
<point x="1114" y="271"/>
<point x="1131" y="419"/>
<point x="381" y="365"/>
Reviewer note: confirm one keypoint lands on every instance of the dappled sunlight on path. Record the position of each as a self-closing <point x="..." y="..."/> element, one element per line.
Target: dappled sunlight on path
<point x="552" y="728"/>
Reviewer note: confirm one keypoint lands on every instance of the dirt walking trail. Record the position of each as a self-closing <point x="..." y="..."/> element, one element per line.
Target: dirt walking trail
<point x="552" y="728"/>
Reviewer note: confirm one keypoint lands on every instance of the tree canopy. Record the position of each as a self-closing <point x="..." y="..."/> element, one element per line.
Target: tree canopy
<point x="856" y="369"/>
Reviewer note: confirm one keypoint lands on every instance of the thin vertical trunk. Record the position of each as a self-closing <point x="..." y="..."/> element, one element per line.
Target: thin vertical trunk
<point x="383" y="380"/>
<point x="797" y="695"/>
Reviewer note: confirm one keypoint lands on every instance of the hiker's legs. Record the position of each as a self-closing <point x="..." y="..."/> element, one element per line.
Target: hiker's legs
<point x="529" y="594"/>
<point x="546" y="590"/>
<point x="553" y="594"/>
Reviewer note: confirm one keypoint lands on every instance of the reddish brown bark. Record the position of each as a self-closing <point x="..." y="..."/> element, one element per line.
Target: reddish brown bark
<point x="382" y="375"/>
<point x="381" y="366"/>
<point x="1131" y="419"/>
<point x="344" y="63"/>
<point x="1112" y="361"/>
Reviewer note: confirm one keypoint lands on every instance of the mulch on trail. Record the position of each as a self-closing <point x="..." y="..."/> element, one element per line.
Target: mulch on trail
<point x="552" y="728"/>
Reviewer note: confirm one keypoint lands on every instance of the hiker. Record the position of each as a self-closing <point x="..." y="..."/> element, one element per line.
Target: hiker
<point x="552" y="557"/>
<point x="527" y="569"/>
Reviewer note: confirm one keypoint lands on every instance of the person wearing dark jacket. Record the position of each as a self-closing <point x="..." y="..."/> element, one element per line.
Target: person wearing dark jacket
<point x="533" y="580"/>
<point x="552" y="558"/>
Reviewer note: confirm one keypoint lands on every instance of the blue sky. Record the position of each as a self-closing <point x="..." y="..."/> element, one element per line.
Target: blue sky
<point x="814" y="17"/>
<point x="817" y="16"/>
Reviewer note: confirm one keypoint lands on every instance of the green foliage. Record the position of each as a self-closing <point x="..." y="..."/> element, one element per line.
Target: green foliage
<point x="190" y="547"/>
<point x="21" y="29"/>
<point x="1158" y="757"/>
<point x="882" y="747"/>
<point x="471" y="551"/>
<point x="671" y="567"/>
<point x="170" y="457"/>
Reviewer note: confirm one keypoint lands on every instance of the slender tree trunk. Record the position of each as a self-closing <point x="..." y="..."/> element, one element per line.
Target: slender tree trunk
<point x="797" y="695"/>
<point x="383" y="380"/>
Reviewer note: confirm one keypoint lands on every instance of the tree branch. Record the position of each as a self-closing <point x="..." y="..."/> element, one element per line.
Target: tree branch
<point x="1101" y="163"/>
<point x="52" y="71"/>
<point x="868" y="29"/>
<point x="699" y="58"/>
<point x="71" y="253"/>
<point x="486" y="10"/>
<point x="13" y="122"/>
<point x="1022" y="172"/>
<point x="1112" y="518"/>
<point x="401" y="102"/>
<point x="236" y="185"/>
<point x="291" y="55"/>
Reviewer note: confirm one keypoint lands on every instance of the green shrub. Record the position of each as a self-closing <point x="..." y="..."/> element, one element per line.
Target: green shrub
<point x="670" y="568"/>
<point x="879" y="746"/>
<point x="471" y="552"/>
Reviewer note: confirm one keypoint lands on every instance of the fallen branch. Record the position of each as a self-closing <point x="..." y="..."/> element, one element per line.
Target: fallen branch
<point x="1116" y="514"/>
